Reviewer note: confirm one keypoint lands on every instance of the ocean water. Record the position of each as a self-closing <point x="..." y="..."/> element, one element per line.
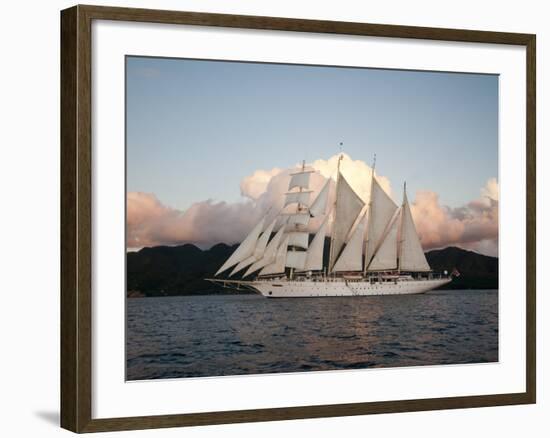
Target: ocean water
<point x="247" y="334"/>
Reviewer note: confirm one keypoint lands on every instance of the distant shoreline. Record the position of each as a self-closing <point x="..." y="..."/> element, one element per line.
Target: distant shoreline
<point x="182" y="270"/>
<point x="243" y="293"/>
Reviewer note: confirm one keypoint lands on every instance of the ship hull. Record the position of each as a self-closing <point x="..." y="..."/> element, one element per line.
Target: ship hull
<point x="342" y="288"/>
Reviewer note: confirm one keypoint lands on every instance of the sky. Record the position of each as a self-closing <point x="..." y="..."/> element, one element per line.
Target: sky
<point x="216" y="132"/>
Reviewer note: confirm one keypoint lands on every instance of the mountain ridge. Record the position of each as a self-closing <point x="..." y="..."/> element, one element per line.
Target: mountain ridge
<point x="182" y="269"/>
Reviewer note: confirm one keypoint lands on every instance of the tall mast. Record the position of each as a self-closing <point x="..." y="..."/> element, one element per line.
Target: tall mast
<point x="298" y="209"/>
<point x="331" y="252"/>
<point x="369" y="214"/>
<point x="400" y="241"/>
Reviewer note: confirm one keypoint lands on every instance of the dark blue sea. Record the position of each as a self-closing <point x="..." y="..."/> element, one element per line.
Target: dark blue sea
<point x="216" y="335"/>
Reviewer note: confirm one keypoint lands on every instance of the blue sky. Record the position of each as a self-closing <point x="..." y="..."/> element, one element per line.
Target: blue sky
<point x="196" y="128"/>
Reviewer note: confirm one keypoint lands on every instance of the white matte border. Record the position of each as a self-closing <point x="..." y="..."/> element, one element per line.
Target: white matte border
<point x="113" y="397"/>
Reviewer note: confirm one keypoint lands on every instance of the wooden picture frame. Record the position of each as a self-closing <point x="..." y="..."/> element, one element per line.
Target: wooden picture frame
<point x="76" y="217"/>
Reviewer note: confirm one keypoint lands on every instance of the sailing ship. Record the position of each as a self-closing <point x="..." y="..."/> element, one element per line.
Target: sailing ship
<point x="374" y="247"/>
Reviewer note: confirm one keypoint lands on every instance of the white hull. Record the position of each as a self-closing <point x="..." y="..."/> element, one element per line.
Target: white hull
<point x="342" y="288"/>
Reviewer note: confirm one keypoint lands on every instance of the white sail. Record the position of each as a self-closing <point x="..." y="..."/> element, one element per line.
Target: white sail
<point x="319" y="206"/>
<point x="348" y="207"/>
<point x="314" y="258"/>
<point x="300" y="179"/>
<point x="299" y="219"/>
<point x="351" y="258"/>
<point x="264" y="238"/>
<point x="296" y="259"/>
<point x="269" y="254"/>
<point x="297" y="197"/>
<point x="258" y="250"/>
<point x="278" y="266"/>
<point x="411" y="256"/>
<point x="385" y="257"/>
<point x="240" y="266"/>
<point x="298" y="238"/>
<point x="382" y="209"/>
<point x="245" y="249"/>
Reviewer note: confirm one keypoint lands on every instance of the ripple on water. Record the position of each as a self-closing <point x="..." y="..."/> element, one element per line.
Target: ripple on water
<point x="248" y="334"/>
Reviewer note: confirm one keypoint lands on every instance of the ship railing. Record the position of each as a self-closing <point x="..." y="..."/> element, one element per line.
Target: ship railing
<point x="378" y="276"/>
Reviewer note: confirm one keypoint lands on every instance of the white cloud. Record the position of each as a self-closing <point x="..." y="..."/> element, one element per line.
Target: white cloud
<point x="253" y="186"/>
<point x="490" y="190"/>
<point x="473" y="226"/>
